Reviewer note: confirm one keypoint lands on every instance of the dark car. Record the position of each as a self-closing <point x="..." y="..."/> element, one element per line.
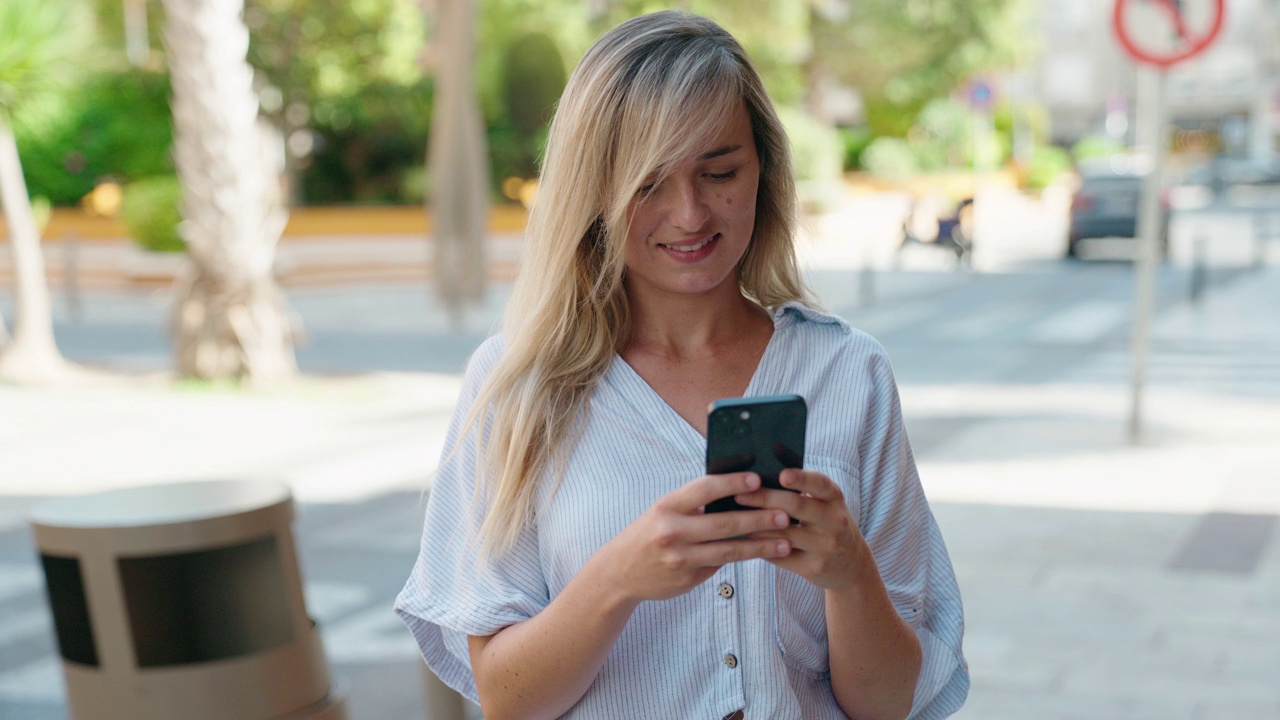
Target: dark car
<point x="1106" y="206"/>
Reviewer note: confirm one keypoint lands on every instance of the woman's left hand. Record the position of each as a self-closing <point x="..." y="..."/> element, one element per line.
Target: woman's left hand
<point x="827" y="548"/>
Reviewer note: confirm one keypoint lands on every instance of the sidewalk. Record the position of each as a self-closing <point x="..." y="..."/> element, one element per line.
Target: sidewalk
<point x="1101" y="579"/>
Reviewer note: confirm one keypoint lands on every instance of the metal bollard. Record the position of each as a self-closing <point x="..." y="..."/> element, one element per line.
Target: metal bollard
<point x="1198" y="270"/>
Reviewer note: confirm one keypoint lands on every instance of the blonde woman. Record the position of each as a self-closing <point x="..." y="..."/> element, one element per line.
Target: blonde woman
<point x="567" y="566"/>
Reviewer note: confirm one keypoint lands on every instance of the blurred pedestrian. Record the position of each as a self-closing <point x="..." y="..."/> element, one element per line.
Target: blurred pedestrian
<point x="567" y="566"/>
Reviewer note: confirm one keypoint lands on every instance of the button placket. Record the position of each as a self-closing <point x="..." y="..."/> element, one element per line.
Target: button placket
<point x="722" y="594"/>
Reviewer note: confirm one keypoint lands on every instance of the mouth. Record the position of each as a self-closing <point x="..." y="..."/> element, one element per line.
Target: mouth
<point x="690" y="248"/>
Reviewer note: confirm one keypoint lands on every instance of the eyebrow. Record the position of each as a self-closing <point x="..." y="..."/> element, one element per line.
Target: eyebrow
<point x="720" y="151"/>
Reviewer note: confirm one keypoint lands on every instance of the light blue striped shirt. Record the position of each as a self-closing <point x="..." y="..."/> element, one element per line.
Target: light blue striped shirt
<point x="670" y="660"/>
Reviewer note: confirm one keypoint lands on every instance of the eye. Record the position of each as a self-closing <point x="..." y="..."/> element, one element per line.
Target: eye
<point x="722" y="177"/>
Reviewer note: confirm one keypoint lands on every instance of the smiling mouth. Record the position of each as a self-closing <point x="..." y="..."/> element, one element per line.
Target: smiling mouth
<point x="690" y="248"/>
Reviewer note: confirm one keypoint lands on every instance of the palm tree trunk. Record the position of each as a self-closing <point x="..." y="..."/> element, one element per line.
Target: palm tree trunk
<point x="31" y="355"/>
<point x="459" y="200"/>
<point x="231" y="320"/>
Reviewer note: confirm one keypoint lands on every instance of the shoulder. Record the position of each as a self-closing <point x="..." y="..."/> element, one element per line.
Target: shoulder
<point x="485" y="357"/>
<point x="826" y="337"/>
<point x="480" y="365"/>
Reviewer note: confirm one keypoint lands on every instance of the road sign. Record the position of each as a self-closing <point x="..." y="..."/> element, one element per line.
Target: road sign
<point x="981" y="95"/>
<point x="1166" y="32"/>
<point x="1157" y="34"/>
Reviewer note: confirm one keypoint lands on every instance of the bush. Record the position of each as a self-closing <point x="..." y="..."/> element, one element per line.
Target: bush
<point x="369" y="146"/>
<point x="532" y="78"/>
<point x="1095" y="146"/>
<point x="151" y="211"/>
<point x="1047" y="163"/>
<point x="855" y="142"/>
<point x="817" y="156"/>
<point x="118" y="125"/>
<point x="890" y="157"/>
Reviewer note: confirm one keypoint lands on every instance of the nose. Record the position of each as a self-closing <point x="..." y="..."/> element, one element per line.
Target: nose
<point x="688" y="209"/>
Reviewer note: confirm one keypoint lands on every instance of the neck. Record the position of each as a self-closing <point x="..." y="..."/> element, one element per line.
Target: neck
<point x="680" y="325"/>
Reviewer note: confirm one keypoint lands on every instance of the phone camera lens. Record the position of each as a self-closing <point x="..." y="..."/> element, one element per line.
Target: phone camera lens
<point x="745" y="415"/>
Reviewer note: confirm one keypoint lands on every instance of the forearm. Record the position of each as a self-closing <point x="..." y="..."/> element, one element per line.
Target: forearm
<point x="541" y="667"/>
<point x="875" y="655"/>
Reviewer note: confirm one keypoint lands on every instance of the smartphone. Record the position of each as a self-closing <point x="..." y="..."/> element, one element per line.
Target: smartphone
<point x="764" y="435"/>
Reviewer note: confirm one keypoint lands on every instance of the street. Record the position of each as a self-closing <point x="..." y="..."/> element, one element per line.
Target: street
<point x="1101" y="579"/>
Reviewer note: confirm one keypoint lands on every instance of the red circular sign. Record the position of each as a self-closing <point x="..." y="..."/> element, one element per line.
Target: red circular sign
<point x="1189" y="43"/>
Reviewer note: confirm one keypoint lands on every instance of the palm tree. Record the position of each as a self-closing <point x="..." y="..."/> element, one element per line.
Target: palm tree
<point x="231" y="320"/>
<point x="459" y="199"/>
<point x="38" y="40"/>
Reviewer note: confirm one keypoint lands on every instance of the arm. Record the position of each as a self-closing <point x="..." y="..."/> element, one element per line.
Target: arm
<point x="542" y="666"/>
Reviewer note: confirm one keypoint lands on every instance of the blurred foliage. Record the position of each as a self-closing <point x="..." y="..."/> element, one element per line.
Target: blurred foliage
<point x="344" y="83"/>
<point x="533" y="76"/>
<point x="152" y="210"/>
<point x="855" y="141"/>
<point x="1047" y="163"/>
<point x="349" y="86"/>
<point x="890" y="157"/>
<point x="117" y="126"/>
<point x="369" y="147"/>
<point x="776" y="34"/>
<point x="816" y="155"/>
<point x="1095" y="146"/>
<point x="902" y="54"/>
<point x="44" y="46"/>
<point x="944" y="137"/>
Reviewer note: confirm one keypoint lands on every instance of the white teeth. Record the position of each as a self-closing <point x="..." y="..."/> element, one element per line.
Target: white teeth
<point x="689" y="248"/>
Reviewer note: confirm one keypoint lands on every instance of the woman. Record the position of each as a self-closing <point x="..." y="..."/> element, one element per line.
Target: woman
<point x="567" y="567"/>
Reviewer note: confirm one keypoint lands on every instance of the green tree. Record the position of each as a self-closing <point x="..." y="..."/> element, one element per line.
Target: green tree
<point x="901" y="54"/>
<point x="777" y="34"/>
<point x="39" y="39"/>
<point x="317" y="62"/>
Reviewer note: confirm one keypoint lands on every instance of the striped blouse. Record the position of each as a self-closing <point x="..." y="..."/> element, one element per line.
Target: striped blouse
<point x="752" y="637"/>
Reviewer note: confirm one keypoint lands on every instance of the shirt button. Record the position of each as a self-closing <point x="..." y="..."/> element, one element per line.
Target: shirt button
<point x="731" y="661"/>
<point x="726" y="590"/>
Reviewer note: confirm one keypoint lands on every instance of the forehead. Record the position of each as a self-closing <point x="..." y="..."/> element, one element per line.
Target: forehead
<point x="705" y="132"/>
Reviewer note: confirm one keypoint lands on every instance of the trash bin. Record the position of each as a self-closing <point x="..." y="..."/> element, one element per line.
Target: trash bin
<point x="182" y="601"/>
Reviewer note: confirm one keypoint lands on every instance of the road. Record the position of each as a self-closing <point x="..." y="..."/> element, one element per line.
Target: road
<point x="997" y="369"/>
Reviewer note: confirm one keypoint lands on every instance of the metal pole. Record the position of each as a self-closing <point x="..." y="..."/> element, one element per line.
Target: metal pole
<point x="1149" y="231"/>
<point x="1197" y="270"/>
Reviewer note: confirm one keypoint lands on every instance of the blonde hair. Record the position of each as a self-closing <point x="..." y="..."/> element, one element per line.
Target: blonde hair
<point x="648" y="94"/>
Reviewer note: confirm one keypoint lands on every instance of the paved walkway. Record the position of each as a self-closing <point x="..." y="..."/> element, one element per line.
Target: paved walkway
<point x="1102" y="579"/>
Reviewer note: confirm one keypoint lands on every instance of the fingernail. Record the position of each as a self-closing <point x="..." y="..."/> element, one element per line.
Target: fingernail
<point x="783" y="547"/>
<point x="753" y="481"/>
<point x="781" y="520"/>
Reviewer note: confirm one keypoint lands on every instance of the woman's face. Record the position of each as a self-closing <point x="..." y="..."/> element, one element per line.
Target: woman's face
<point x="689" y="231"/>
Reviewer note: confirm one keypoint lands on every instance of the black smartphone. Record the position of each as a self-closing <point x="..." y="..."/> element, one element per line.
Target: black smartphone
<point x="764" y="435"/>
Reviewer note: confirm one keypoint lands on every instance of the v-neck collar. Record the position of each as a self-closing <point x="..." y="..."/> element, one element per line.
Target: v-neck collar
<point x="666" y="416"/>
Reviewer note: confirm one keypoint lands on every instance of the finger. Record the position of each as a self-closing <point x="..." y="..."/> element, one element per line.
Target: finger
<point x="811" y="483"/>
<point x="722" y="552"/>
<point x="696" y="494"/>
<point x="804" y="509"/>
<point x="734" y="523"/>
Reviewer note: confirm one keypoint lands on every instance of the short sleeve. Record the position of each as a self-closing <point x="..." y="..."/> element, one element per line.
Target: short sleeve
<point x="895" y="518"/>
<point x="454" y="591"/>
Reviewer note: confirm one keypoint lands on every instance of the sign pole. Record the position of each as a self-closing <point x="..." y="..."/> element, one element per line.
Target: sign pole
<point x="1150" y="229"/>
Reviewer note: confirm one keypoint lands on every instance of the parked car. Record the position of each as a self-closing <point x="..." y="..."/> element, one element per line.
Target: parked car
<point x="1106" y="206"/>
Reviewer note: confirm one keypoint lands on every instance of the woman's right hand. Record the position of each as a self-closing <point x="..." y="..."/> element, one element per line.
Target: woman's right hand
<point x="675" y="546"/>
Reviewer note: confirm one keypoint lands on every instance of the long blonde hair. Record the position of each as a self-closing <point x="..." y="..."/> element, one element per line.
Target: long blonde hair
<point x="648" y="94"/>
